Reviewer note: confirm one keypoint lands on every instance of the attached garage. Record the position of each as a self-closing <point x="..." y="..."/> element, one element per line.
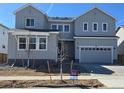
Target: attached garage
<point x="96" y="54"/>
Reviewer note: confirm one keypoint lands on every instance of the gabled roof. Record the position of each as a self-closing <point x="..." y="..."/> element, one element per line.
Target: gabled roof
<point x="4" y="26"/>
<point x="27" y="5"/>
<point x="99" y="10"/>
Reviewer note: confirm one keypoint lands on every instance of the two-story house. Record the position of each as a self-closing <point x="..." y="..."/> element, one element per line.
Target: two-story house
<point x="88" y="38"/>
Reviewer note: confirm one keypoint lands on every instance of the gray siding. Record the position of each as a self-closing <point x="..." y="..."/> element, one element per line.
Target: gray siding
<point x="95" y="42"/>
<point x="30" y="12"/>
<point x="51" y="52"/>
<point x="94" y="15"/>
<point x="65" y="35"/>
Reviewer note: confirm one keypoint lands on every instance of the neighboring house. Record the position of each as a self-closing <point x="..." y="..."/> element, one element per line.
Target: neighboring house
<point x="3" y="43"/>
<point x="120" y="45"/>
<point x="89" y="38"/>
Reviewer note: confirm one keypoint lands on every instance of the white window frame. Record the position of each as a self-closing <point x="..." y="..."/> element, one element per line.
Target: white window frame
<point x="83" y="26"/>
<point x="19" y="43"/>
<point x="106" y="27"/>
<point x="64" y="28"/>
<point x="63" y="25"/>
<point x="26" y="23"/>
<point x="54" y="24"/>
<point x="93" y="26"/>
<point x="37" y="43"/>
<point x="29" y="41"/>
<point x="40" y="43"/>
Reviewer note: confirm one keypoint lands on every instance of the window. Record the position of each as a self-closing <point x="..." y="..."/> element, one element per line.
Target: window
<point x="66" y="28"/>
<point x="85" y="26"/>
<point x="42" y="43"/>
<point x="104" y="27"/>
<point x="54" y="27"/>
<point x="60" y="27"/>
<point x="95" y="26"/>
<point x="22" y="43"/>
<point x="29" y="22"/>
<point x="32" y="43"/>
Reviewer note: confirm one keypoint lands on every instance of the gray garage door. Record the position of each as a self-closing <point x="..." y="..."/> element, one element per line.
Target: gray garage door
<point x="95" y="55"/>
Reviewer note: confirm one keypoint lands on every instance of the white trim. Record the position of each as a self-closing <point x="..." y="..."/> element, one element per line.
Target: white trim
<point x="108" y="14"/>
<point x="67" y="39"/>
<point x="97" y="37"/>
<point x="87" y="26"/>
<point x="54" y="32"/>
<point x="26" y="5"/>
<point x="37" y="43"/>
<point x="58" y="27"/>
<point x="52" y="25"/>
<point x="18" y="42"/>
<point x="97" y="47"/>
<point x="93" y="26"/>
<point x="30" y="23"/>
<point x="25" y="32"/>
<point x="64" y="28"/>
<point x="106" y="27"/>
<point x="63" y="25"/>
<point x="46" y="43"/>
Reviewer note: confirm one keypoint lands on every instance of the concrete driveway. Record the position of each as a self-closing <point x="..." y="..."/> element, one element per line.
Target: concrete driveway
<point x="96" y="69"/>
<point x="112" y="76"/>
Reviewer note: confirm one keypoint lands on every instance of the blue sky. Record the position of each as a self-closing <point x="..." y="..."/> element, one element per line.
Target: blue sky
<point x="62" y="9"/>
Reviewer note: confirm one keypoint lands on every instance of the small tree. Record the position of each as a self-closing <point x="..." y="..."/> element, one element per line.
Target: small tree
<point x="62" y="57"/>
<point x="28" y="50"/>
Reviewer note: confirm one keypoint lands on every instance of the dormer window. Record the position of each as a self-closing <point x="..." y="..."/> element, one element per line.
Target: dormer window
<point x="29" y="22"/>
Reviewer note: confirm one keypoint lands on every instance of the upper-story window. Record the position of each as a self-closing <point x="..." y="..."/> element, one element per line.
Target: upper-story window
<point x="66" y="28"/>
<point x="104" y="27"/>
<point x="54" y="26"/>
<point x="85" y="26"/>
<point x="60" y="27"/>
<point x="29" y="22"/>
<point x="95" y="26"/>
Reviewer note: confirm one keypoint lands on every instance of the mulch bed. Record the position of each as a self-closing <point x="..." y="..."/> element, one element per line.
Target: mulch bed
<point x="92" y="83"/>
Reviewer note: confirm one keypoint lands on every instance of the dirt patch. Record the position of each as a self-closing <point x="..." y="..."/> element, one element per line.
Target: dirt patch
<point x="93" y="83"/>
<point x="26" y="72"/>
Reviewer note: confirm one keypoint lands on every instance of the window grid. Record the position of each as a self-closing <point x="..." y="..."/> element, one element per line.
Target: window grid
<point x="94" y="26"/>
<point x="29" y="22"/>
<point x="61" y="27"/>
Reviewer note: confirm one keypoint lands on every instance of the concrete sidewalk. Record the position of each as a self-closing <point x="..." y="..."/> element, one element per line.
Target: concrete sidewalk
<point x="108" y="80"/>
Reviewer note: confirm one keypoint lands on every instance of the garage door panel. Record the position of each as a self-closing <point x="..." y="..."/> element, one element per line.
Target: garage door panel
<point x="95" y="55"/>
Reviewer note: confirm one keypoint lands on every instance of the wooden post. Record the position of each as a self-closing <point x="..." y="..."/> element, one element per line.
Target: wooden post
<point x="49" y="70"/>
